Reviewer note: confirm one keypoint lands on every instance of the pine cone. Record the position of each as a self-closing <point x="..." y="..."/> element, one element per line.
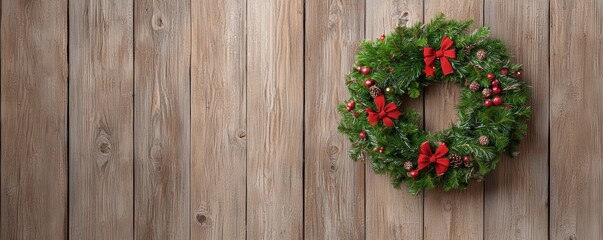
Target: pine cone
<point x="474" y="86"/>
<point x="455" y="160"/>
<point x="375" y="91"/>
<point x="484" y="140"/>
<point x="468" y="164"/>
<point x="481" y="54"/>
<point x="408" y="165"/>
<point x="467" y="49"/>
<point x="487" y="92"/>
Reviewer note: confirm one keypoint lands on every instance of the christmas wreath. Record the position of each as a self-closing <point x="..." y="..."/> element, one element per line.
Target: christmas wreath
<point x="492" y="112"/>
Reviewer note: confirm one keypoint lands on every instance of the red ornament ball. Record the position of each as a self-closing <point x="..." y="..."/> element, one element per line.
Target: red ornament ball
<point x="365" y="70"/>
<point x="358" y="68"/>
<point x="496" y="90"/>
<point x="466" y="158"/>
<point x="369" y="83"/>
<point x="413" y="174"/>
<point x="490" y="76"/>
<point x="350" y="105"/>
<point x="495" y="83"/>
<point x="497" y="101"/>
<point x="382" y="149"/>
<point x="487" y="103"/>
<point x="504" y="71"/>
<point x="362" y="134"/>
<point x="518" y="73"/>
<point x="376" y="149"/>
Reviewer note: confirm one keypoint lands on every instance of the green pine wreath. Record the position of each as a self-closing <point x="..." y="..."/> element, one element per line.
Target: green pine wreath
<point x="492" y="111"/>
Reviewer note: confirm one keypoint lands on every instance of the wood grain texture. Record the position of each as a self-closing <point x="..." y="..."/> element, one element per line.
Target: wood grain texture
<point x="34" y="120"/>
<point x="516" y="197"/>
<point x="218" y="163"/>
<point x="334" y="184"/>
<point x="392" y="213"/>
<point x="576" y="119"/>
<point x="456" y="214"/>
<point x="275" y="119"/>
<point x="100" y="115"/>
<point x="162" y="119"/>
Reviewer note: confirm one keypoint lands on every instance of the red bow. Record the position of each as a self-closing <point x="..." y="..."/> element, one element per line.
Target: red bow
<point x="384" y="112"/>
<point x="426" y="158"/>
<point x="443" y="54"/>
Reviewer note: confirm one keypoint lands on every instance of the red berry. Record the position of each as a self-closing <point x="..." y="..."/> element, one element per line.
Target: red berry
<point x="518" y="73"/>
<point x="497" y="101"/>
<point x="495" y="83"/>
<point x="358" y="68"/>
<point x="376" y="149"/>
<point x="351" y="104"/>
<point x="414" y="174"/>
<point x="466" y="158"/>
<point x="496" y="90"/>
<point x="490" y="76"/>
<point x="362" y="134"/>
<point x="382" y="37"/>
<point x="381" y="150"/>
<point x="504" y="71"/>
<point x="365" y="70"/>
<point x="369" y="82"/>
<point x="487" y="103"/>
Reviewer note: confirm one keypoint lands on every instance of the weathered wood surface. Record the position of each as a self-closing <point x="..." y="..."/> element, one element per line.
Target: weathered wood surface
<point x="576" y="118"/>
<point x="162" y="119"/>
<point x="101" y="94"/>
<point x="218" y="120"/>
<point x="334" y="184"/>
<point x="516" y="194"/>
<point x="33" y="202"/>
<point x="455" y="214"/>
<point x="392" y="213"/>
<point x="214" y="119"/>
<point x="275" y="90"/>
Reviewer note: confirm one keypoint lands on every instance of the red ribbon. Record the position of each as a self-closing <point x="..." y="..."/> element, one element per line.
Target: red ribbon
<point x="383" y="112"/>
<point x="427" y="158"/>
<point x="443" y="54"/>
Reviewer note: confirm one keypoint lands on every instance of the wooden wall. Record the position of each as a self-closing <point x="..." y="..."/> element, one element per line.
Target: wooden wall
<point x="216" y="119"/>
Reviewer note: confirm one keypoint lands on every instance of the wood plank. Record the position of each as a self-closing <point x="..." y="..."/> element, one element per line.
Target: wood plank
<point x="100" y="114"/>
<point x="218" y="163"/>
<point x="576" y="119"/>
<point x="516" y="197"/>
<point x="162" y="119"/>
<point x="458" y="214"/>
<point x="392" y="213"/>
<point x="34" y="120"/>
<point x="334" y="184"/>
<point x="275" y="119"/>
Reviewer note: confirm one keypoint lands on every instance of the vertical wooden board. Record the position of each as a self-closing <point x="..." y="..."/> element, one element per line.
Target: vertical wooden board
<point x="516" y="197"/>
<point x="392" y="213"/>
<point x="576" y="119"/>
<point x="218" y="163"/>
<point x="34" y="120"/>
<point x="334" y="184"/>
<point x="275" y="119"/>
<point x="456" y="214"/>
<point x="100" y="115"/>
<point x="162" y="119"/>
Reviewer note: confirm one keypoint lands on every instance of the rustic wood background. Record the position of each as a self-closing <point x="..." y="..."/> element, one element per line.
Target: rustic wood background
<point x="215" y="119"/>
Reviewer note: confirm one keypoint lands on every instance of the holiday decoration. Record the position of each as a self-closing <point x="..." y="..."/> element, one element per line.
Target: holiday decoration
<point x="481" y="54"/>
<point x="408" y="165"/>
<point x="455" y="160"/>
<point x="474" y="86"/>
<point x="384" y="112"/>
<point x="375" y="91"/>
<point x="409" y="59"/>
